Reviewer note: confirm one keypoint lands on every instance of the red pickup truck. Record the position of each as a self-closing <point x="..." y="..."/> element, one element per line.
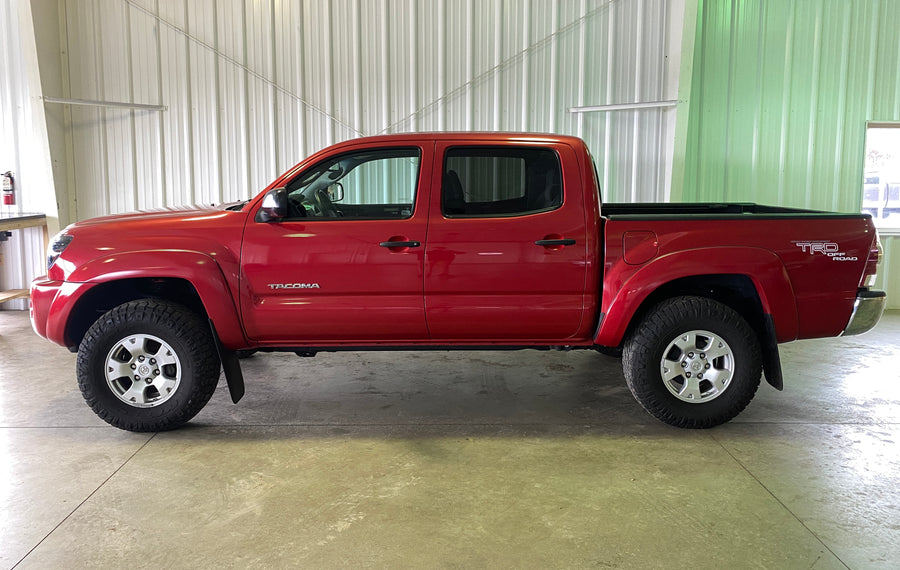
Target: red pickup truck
<point x="451" y="241"/>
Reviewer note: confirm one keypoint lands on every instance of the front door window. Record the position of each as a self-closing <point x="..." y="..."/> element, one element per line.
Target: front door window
<point x="370" y="185"/>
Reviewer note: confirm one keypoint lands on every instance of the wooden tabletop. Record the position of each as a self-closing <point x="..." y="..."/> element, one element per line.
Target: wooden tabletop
<point x="23" y="220"/>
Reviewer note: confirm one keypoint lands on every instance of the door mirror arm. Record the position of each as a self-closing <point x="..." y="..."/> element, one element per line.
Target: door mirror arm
<point x="274" y="206"/>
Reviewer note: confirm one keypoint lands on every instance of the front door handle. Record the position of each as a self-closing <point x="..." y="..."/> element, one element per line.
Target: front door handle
<point x="390" y="244"/>
<point x="554" y="242"/>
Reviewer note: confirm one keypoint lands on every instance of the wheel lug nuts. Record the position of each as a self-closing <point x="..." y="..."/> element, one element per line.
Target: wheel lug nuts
<point x="133" y="366"/>
<point x="702" y="355"/>
<point x="707" y="367"/>
<point x="684" y="364"/>
<point x="136" y="377"/>
<point x="690" y="355"/>
<point x="156" y="372"/>
<point x="700" y="376"/>
<point x="688" y="374"/>
<point x="141" y="358"/>
<point x="148" y="380"/>
<point x="152" y="361"/>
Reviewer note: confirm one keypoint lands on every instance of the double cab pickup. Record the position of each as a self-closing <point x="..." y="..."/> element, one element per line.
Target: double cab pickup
<point x="451" y="241"/>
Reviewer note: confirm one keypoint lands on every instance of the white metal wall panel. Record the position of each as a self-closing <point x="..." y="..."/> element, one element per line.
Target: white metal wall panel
<point x="145" y="86"/>
<point x="232" y="101"/>
<point x="24" y="149"/>
<point x="253" y="86"/>
<point x="889" y="272"/>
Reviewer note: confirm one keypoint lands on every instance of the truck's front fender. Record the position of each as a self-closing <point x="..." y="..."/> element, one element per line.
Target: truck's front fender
<point x="199" y="269"/>
<point x="627" y="287"/>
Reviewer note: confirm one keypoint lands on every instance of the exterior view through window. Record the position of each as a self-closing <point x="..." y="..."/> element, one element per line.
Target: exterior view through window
<point x="881" y="180"/>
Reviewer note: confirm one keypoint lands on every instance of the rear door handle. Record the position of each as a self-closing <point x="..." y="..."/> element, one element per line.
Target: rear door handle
<point x="400" y="244"/>
<point x="554" y="242"/>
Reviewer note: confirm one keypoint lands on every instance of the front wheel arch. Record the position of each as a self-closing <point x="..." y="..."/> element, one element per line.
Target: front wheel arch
<point x="108" y="295"/>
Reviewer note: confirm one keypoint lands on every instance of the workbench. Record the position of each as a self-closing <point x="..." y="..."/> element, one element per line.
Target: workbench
<point x="18" y="222"/>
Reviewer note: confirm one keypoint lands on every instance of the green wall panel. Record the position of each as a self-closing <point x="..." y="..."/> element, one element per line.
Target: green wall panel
<point x="780" y="96"/>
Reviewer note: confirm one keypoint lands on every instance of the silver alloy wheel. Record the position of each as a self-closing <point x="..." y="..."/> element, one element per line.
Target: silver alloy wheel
<point x="143" y="370"/>
<point x="697" y="366"/>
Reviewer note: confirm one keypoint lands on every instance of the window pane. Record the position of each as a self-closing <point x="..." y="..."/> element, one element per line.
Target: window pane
<point x="881" y="180"/>
<point x="499" y="182"/>
<point x="364" y="185"/>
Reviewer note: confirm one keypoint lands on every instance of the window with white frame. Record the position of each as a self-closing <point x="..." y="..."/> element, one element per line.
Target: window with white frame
<point x="881" y="178"/>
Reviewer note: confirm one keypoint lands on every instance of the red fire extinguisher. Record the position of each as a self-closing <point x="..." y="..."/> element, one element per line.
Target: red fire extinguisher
<point x="9" y="189"/>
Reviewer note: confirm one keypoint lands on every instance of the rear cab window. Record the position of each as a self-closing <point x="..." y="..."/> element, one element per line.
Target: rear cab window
<point x="479" y="182"/>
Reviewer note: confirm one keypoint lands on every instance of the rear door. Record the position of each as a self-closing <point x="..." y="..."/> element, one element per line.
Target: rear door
<point x="506" y="256"/>
<point x="347" y="263"/>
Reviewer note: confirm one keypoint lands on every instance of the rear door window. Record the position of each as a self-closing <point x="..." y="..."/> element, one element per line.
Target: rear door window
<point x="500" y="182"/>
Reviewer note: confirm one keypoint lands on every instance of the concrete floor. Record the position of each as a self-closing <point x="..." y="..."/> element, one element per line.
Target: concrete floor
<point x="455" y="460"/>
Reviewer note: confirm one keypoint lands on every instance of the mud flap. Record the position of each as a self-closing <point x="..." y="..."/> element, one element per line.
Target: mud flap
<point x="232" y="367"/>
<point x="771" y="358"/>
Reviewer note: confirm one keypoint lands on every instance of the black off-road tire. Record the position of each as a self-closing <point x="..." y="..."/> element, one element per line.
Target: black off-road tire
<point x="161" y="327"/>
<point x="679" y="321"/>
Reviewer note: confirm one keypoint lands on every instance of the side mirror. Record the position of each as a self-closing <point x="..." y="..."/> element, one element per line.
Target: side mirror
<point x="274" y="206"/>
<point x="336" y="192"/>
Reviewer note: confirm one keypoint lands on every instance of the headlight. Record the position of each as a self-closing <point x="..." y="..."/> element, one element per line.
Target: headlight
<point x="59" y="242"/>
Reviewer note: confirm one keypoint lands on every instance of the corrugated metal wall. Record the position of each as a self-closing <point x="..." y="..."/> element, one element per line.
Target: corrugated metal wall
<point x="254" y="86"/>
<point x="780" y="97"/>
<point x="23" y="149"/>
<point x="889" y="274"/>
<point x="781" y="93"/>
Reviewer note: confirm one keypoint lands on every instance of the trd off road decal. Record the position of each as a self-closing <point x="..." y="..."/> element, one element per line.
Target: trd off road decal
<point x="826" y="248"/>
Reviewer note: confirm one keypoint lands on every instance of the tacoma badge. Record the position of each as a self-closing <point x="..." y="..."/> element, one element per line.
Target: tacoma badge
<point x="293" y="286"/>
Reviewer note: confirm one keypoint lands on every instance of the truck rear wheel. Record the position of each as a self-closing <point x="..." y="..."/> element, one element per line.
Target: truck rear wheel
<point x="693" y="362"/>
<point x="148" y="365"/>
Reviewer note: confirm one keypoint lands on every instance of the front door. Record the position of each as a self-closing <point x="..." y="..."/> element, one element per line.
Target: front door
<point x="347" y="263"/>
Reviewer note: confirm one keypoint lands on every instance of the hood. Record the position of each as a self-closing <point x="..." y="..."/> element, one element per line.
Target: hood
<point x="169" y="214"/>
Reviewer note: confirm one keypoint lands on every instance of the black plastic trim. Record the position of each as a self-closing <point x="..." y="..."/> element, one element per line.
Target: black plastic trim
<point x="714" y="211"/>
<point x="771" y="357"/>
<point x="231" y="366"/>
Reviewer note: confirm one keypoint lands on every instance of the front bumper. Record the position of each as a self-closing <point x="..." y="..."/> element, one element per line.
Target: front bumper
<point x="43" y="291"/>
<point x="867" y="310"/>
<point x="51" y="303"/>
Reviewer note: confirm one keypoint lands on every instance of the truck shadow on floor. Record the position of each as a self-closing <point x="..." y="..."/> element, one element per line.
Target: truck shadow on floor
<point x="389" y="391"/>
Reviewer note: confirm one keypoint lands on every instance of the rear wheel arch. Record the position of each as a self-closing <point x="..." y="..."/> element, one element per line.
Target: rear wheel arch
<point x="739" y="273"/>
<point x="736" y="291"/>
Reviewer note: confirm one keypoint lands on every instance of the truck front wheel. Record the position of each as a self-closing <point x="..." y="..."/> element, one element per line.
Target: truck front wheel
<point x="693" y="362"/>
<point x="148" y="365"/>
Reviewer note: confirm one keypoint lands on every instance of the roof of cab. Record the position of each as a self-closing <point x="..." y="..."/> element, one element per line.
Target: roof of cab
<point x="498" y="137"/>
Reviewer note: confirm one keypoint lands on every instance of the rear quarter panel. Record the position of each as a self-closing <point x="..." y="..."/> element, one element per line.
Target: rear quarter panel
<point x="808" y="289"/>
